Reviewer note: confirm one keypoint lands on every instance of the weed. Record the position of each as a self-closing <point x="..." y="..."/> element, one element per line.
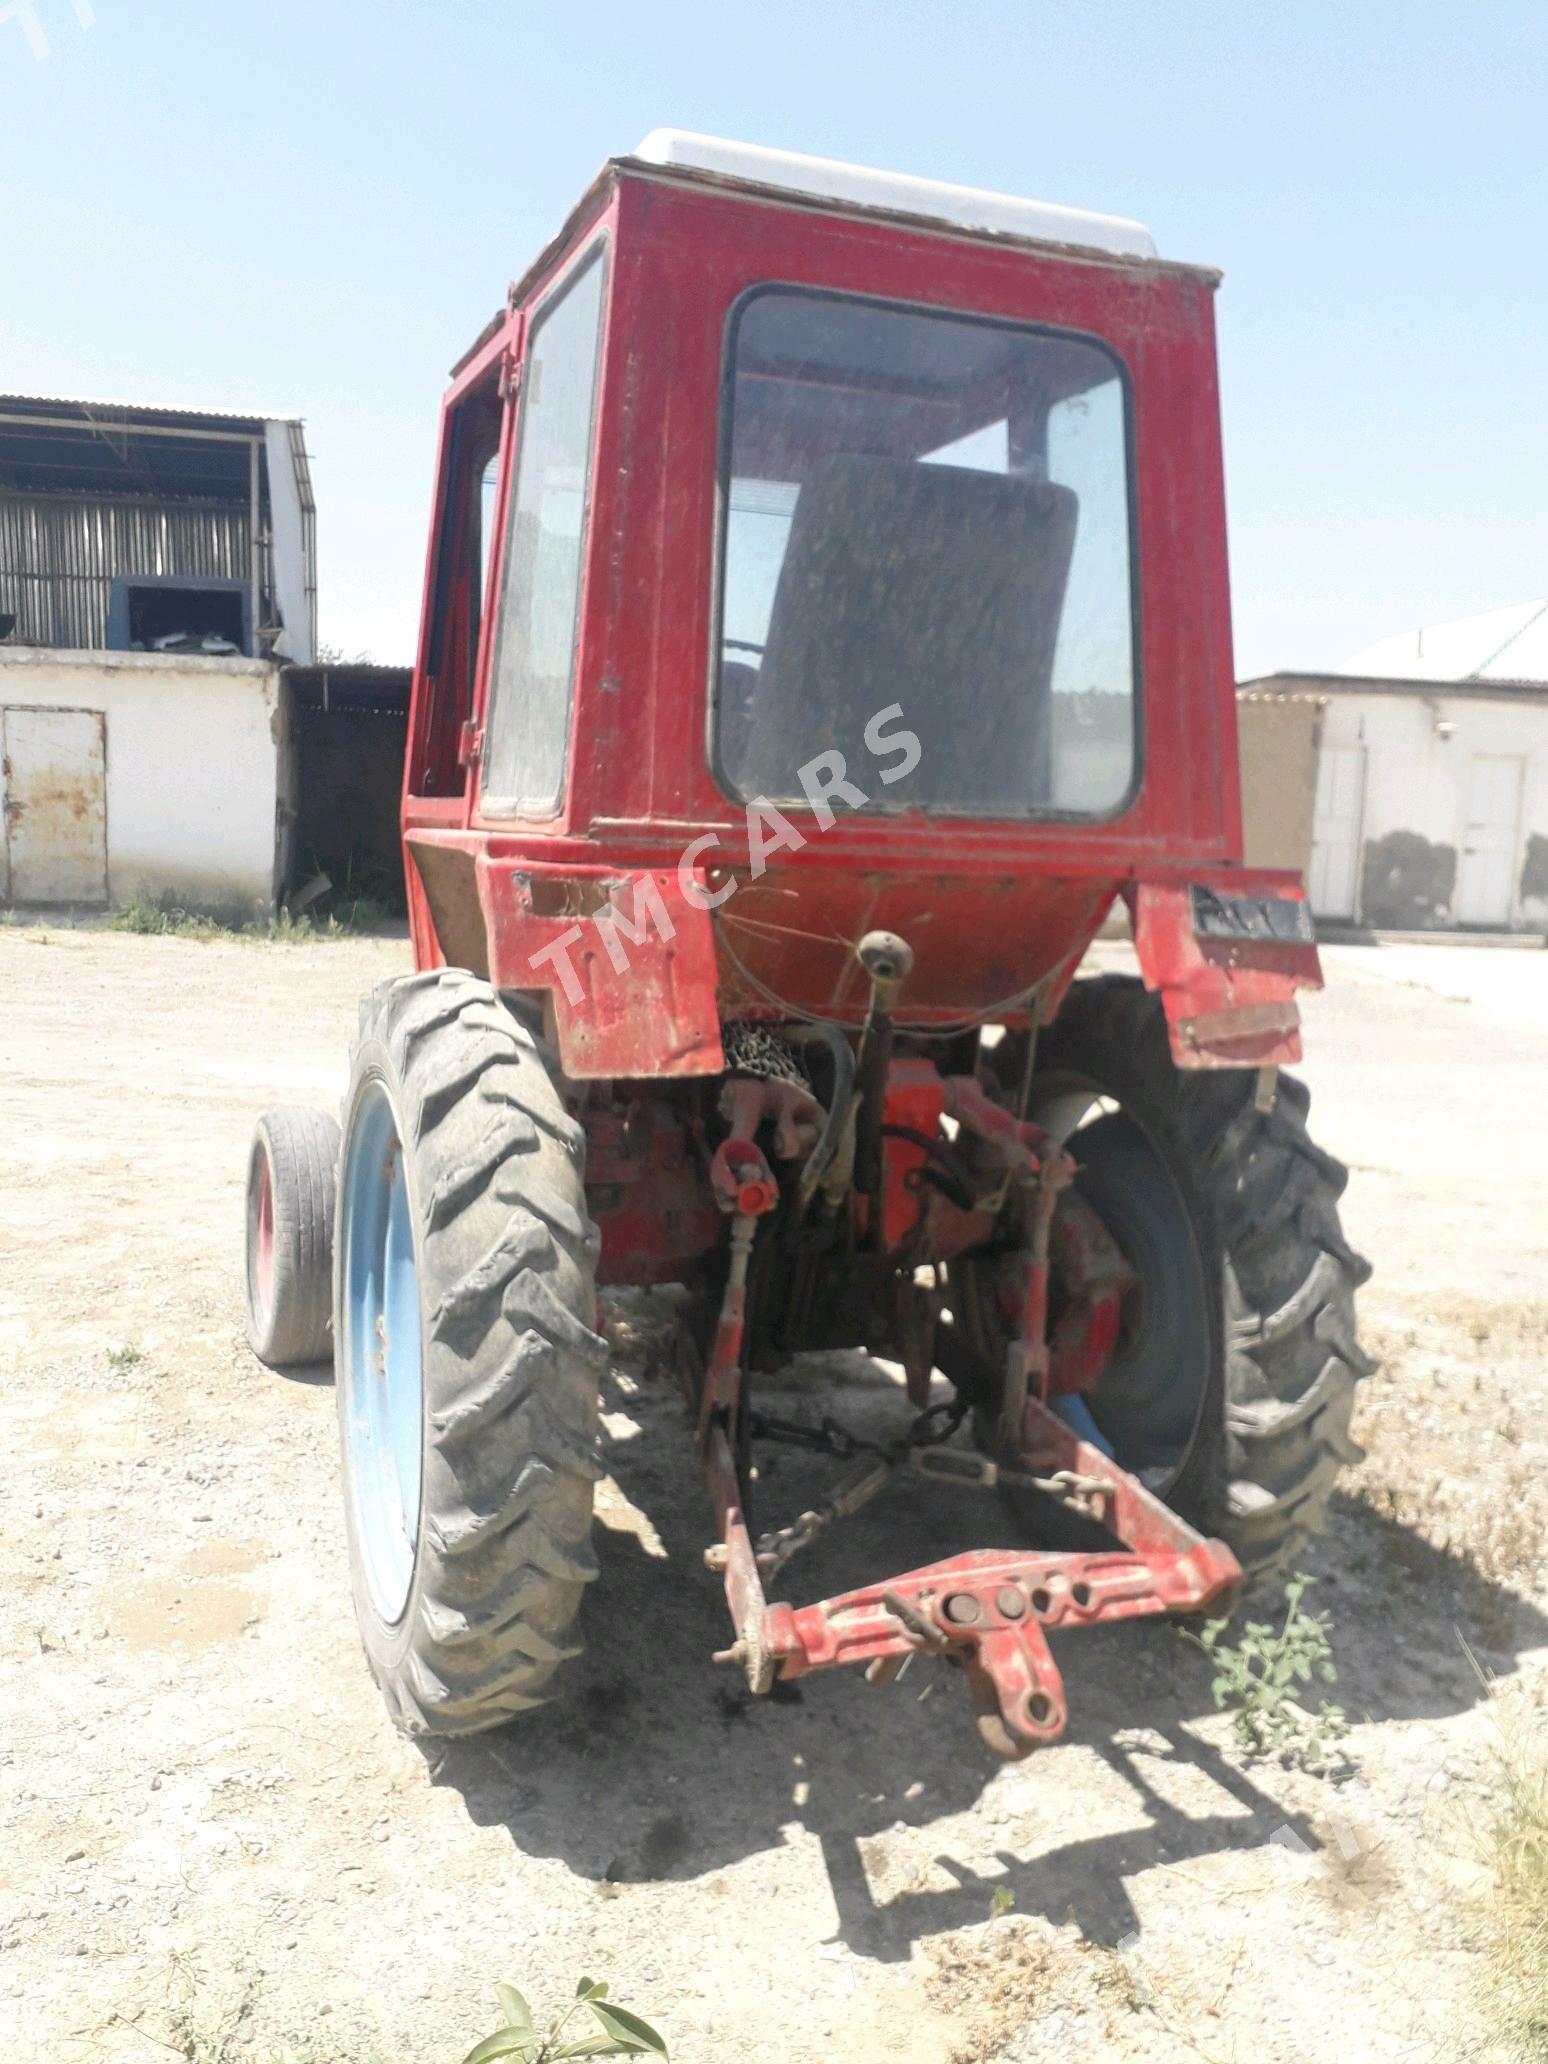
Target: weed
<point x="1001" y="1902"/>
<point x="363" y="913"/>
<point x="206" y="2030"/>
<point x="369" y="898"/>
<point x="1257" y="1678"/>
<point x="1516" y="1906"/>
<point x="123" y="1354"/>
<point x="290" y="927"/>
<point x="211" y="2024"/>
<point x="988" y="1986"/>
<point x="623" y="2034"/>
<point x="170" y="915"/>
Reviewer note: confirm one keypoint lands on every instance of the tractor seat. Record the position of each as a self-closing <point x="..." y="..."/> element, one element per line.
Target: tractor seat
<point x="936" y="587"/>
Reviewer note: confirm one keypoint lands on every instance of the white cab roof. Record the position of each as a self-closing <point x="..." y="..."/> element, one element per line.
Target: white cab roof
<point x="967" y="207"/>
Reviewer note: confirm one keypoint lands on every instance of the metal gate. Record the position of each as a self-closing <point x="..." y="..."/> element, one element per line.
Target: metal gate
<point x="53" y="798"/>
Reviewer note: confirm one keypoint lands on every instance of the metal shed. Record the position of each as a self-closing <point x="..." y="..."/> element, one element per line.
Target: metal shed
<point x="130" y="528"/>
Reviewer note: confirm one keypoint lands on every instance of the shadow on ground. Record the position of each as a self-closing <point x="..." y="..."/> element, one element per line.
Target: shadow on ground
<point x="657" y="1766"/>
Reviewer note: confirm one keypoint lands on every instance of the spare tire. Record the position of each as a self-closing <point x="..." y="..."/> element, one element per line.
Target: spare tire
<point x="291" y="1176"/>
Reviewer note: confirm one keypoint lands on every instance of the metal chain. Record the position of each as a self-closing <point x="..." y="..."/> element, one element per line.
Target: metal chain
<point x="1083" y="1494"/>
<point x="831" y="1437"/>
<point x="1086" y="1495"/>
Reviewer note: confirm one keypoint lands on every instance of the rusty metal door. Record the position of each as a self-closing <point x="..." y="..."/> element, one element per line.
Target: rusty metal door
<point x="54" y="801"/>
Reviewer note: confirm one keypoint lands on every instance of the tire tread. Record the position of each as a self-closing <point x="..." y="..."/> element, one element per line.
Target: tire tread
<point x="513" y="1359"/>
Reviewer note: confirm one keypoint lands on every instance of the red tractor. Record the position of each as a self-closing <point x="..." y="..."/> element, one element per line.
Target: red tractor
<point x="825" y="624"/>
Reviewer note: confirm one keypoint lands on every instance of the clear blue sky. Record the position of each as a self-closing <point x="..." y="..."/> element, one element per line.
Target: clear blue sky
<point x="312" y="205"/>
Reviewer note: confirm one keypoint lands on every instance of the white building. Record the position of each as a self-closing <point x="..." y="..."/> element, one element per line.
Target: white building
<point x="1432" y="778"/>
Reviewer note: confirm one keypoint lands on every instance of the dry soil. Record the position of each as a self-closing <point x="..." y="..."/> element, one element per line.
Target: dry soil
<point x="212" y="1836"/>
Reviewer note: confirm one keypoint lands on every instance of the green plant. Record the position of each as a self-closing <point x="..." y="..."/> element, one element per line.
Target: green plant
<point x="1514" y="1906"/>
<point x="291" y="926"/>
<point x="1258" y="1676"/>
<point x="362" y="913"/>
<point x="622" y="2034"/>
<point x="170" y="915"/>
<point x="123" y="1354"/>
<point x="1518" y="1841"/>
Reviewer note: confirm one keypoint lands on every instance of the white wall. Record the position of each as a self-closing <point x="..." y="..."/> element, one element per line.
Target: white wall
<point x="1419" y="749"/>
<point x="192" y="753"/>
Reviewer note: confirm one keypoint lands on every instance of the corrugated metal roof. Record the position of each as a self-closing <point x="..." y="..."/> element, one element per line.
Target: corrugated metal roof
<point x="236" y="420"/>
<point x="1265" y="691"/>
<point x="1485" y="690"/>
<point x="1507" y="645"/>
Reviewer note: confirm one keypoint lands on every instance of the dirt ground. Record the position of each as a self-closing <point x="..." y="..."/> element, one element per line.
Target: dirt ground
<point x="213" y="1846"/>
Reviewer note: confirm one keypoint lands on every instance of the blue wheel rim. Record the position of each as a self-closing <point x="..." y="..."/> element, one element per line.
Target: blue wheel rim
<point x="382" y="1358"/>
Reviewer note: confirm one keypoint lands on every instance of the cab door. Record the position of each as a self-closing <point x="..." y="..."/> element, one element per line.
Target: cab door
<point x="524" y="762"/>
<point x="443" y="733"/>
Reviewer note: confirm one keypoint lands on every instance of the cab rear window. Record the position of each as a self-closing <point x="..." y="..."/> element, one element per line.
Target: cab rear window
<point x="929" y="510"/>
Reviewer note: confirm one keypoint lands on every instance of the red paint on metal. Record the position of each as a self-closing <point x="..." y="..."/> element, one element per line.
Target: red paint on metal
<point x="744" y="1587"/>
<point x="953" y="1231"/>
<point x="1093" y="1279"/>
<point x="1229" y="1003"/>
<point x="1072" y="1591"/>
<point x="1015" y="1597"/>
<point x="991" y="909"/>
<point x="1022" y="1143"/>
<point x="656" y="1013"/>
<point x="722" y="1401"/>
<point x="265" y="1233"/>
<point x="915" y="1097"/>
<point x="1135" y="1515"/>
<point x="647" y="1191"/>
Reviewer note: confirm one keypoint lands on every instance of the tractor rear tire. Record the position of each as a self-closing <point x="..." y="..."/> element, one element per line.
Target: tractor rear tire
<point x="468" y="1626"/>
<point x="291" y="1176"/>
<point x="1256" y="1209"/>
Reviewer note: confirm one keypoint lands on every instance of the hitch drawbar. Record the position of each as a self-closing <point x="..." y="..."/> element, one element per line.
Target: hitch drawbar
<point x="989" y="1610"/>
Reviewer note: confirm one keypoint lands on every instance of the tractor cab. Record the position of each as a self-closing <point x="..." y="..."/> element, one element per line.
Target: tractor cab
<point x="817" y="550"/>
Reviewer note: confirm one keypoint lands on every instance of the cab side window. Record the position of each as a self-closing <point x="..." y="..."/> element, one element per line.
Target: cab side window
<point x="532" y="681"/>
